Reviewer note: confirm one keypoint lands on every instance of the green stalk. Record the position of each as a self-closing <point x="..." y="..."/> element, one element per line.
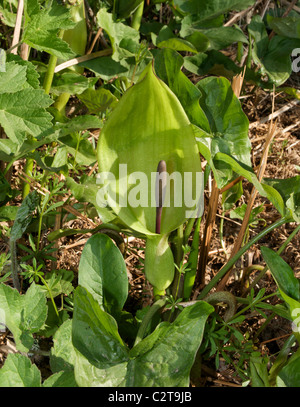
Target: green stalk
<point x="242" y="250"/>
<point x="147" y="318"/>
<point x="50" y="295"/>
<point x="221" y="228"/>
<point x="251" y="304"/>
<point x="190" y="274"/>
<point x="28" y="171"/>
<point x="137" y="17"/>
<point x="49" y="74"/>
<point x="50" y="71"/>
<point x="188" y="230"/>
<point x="178" y="255"/>
<point x="61" y="102"/>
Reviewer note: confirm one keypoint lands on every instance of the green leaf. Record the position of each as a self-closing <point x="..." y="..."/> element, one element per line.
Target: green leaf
<point x="24" y="112"/>
<point x="168" y="65"/>
<point x="8" y="212"/>
<point x="11" y="150"/>
<point x="282" y="273"/>
<point x="273" y="57"/>
<point x="259" y="371"/>
<point x="88" y="375"/>
<point x="59" y="282"/>
<point x="212" y="62"/>
<point x="102" y="271"/>
<point x="19" y="372"/>
<point x="71" y="82"/>
<point x="124" y="39"/>
<point x="220" y="171"/>
<point x="29" y="320"/>
<point x="208" y="10"/>
<point x="95" y="333"/>
<point x="24" y="215"/>
<point x="228" y="123"/>
<point x="289" y="376"/>
<point x="61" y="379"/>
<point x="105" y="67"/>
<point x="32" y="76"/>
<point x="53" y="322"/>
<point x="13" y="78"/>
<point x="86" y="191"/>
<point x="286" y="27"/>
<point x="98" y="100"/>
<point x="177" y="44"/>
<point x="288" y="285"/>
<point x="165" y="358"/>
<point x="2" y="60"/>
<point x="124" y="8"/>
<point x="62" y="356"/>
<point x="81" y="149"/>
<point x="199" y="40"/>
<point x="289" y="190"/>
<point x="42" y="30"/>
<point x="221" y="37"/>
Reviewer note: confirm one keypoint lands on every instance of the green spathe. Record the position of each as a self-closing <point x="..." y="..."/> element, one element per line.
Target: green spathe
<point x="148" y="125"/>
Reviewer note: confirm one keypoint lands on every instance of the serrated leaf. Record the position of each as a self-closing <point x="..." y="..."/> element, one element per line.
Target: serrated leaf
<point x="23" y="314"/>
<point x="42" y="29"/>
<point x="2" y="60"/>
<point x="13" y="78"/>
<point x="32" y="75"/>
<point x="24" y="112"/>
<point x="18" y="371"/>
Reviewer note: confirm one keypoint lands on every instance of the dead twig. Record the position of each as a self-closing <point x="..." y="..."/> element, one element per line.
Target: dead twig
<point x="17" y="30"/>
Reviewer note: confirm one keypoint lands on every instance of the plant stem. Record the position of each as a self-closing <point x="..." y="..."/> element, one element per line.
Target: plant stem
<point x="242" y="250"/>
<point x="49" y="74"/>
<point x="50" y="71"/>
<point x="28" y="171"/>
<point x="190" y="274"/>
<point x="50" y="295"/>
<point x="147" y="318"/>
<point x="221" y="228"/>
<point x="178" y="255"/>
<point x="252" y="303"/>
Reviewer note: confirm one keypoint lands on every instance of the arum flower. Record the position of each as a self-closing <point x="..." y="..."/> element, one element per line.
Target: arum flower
<point x="149" y="126"/>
